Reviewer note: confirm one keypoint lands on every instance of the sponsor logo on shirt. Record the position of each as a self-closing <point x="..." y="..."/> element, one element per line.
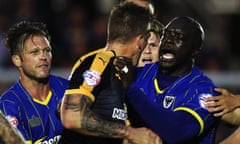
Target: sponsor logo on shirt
<point x="34" y="121"/>
<point x="92" y="78"/>
<point x="51" y="140"/>
<point x="119" y="114"/>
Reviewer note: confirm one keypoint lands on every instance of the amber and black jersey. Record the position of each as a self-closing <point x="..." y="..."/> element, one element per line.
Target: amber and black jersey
<point x="95" y="76"/>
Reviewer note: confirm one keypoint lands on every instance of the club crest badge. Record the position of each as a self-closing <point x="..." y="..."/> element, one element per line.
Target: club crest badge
<point x="168" y="101"/>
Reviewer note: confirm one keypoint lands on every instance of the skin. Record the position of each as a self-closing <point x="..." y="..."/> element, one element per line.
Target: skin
<point x="176" y="51"/>
<point x="223" y="104"/>
<point x="34" y="64"/>
<point x="226" y="106"/>
<point x="233" y="138"/>
<point x="180" y="43"/>
<point x="150" y="52"/>
<point x="77" y="115"/>
<point x="8" y="133"/>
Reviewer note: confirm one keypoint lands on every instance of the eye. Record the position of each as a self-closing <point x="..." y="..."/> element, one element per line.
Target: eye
<point x="153" y="45"/>
<point x="180" y="36"/>
<point x="34" y="51"/>
<point x="48" y="50"/>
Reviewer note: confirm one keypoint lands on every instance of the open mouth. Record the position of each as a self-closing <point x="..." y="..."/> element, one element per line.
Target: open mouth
<point x="147" y="60"/>
<point x="167" y="54"/>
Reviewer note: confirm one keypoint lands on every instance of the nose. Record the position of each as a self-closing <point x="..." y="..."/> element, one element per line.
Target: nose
<point x="147" y="50"/>
<point x="44" y="54"/>
<point x="167" y="37"/>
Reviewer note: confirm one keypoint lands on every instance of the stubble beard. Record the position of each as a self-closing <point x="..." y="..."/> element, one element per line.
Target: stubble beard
<point x="41" y="79"/>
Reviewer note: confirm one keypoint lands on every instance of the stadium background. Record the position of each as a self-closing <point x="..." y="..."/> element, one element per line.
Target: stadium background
<point x="79" y="26"/>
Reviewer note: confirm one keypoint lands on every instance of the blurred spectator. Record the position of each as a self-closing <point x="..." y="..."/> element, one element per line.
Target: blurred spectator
<point x="98" y="32"/>
<point x="4" y="54"/>
<point x="211" y="60"/>
<point x="79" y="26"/>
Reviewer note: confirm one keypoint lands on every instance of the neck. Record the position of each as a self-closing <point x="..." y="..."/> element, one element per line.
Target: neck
<point x="175" y="71"/>
<point x="37" y="90"/>
<point x="120" y="49"/>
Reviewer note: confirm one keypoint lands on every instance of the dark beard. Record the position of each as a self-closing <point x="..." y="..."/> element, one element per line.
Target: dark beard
<point x="40" y="80"/>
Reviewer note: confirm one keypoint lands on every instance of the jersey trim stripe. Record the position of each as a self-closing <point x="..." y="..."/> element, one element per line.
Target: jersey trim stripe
<point x="84" y="57"/>
<point x="158" y="90"/>
<point x="99" y="64"/>
<point x="80" y="91"/>
<point x="194" y="114"/>
<point x="45" y="102"/>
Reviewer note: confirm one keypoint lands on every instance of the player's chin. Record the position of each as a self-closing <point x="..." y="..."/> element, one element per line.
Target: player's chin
<point x="167" y="64"/>
<point x="43" y="74"/>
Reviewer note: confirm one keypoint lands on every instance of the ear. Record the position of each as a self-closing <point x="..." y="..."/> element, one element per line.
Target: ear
<point x="16" y="60"/>
<point x="139" y="42"/>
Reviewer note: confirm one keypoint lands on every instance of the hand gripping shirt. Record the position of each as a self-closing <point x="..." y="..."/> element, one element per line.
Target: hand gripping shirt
<point x="177" y="113"/>
<point x="95" y="76"/>
<point x="36" y="120"/>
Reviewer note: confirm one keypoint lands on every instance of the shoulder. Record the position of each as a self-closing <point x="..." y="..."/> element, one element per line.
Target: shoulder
<point x="197" y="83"/>
<point x="96" y="58"/>
<point x="200" y="78"/>
<point x="12" y="93"/>
<point x="57" y="80"/>
<point x="149" y="70"/>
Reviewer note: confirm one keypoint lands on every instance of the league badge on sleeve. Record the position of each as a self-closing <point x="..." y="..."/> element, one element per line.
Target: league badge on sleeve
<point x="13" y="120"/>
<point x="92" y="78"/>
<point x="202" y="98"/>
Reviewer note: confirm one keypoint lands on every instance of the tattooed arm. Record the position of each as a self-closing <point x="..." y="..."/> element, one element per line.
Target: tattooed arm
<point x="77" y="115"/>
<point x="8" y="133"/>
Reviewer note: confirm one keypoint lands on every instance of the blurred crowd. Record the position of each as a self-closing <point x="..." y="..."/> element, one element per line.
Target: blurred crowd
<point x="78" y="26"/>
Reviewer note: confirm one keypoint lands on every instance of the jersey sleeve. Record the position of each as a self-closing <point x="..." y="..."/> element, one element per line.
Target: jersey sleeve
<point x="196" y="106"/>
<point x="179" y="125"/>
<point x="87" y="74"/>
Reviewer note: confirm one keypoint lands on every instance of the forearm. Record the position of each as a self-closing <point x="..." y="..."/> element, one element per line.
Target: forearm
<point x="77" y="115"/>
<point x="232" y="117"/>
<point x="233" y="138"/>
<point x="8" y="133"/>
<point x="94" y="125"/>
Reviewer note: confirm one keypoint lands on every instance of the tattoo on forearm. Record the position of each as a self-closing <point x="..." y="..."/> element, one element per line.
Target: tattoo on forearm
<point x="91" y="121"/>
<point x="102" y="127"/>
<point x="70" y="102"/>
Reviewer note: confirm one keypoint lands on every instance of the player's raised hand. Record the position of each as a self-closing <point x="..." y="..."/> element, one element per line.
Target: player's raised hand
<point x="222" y="104"/>
<point x="125" y="68"/>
